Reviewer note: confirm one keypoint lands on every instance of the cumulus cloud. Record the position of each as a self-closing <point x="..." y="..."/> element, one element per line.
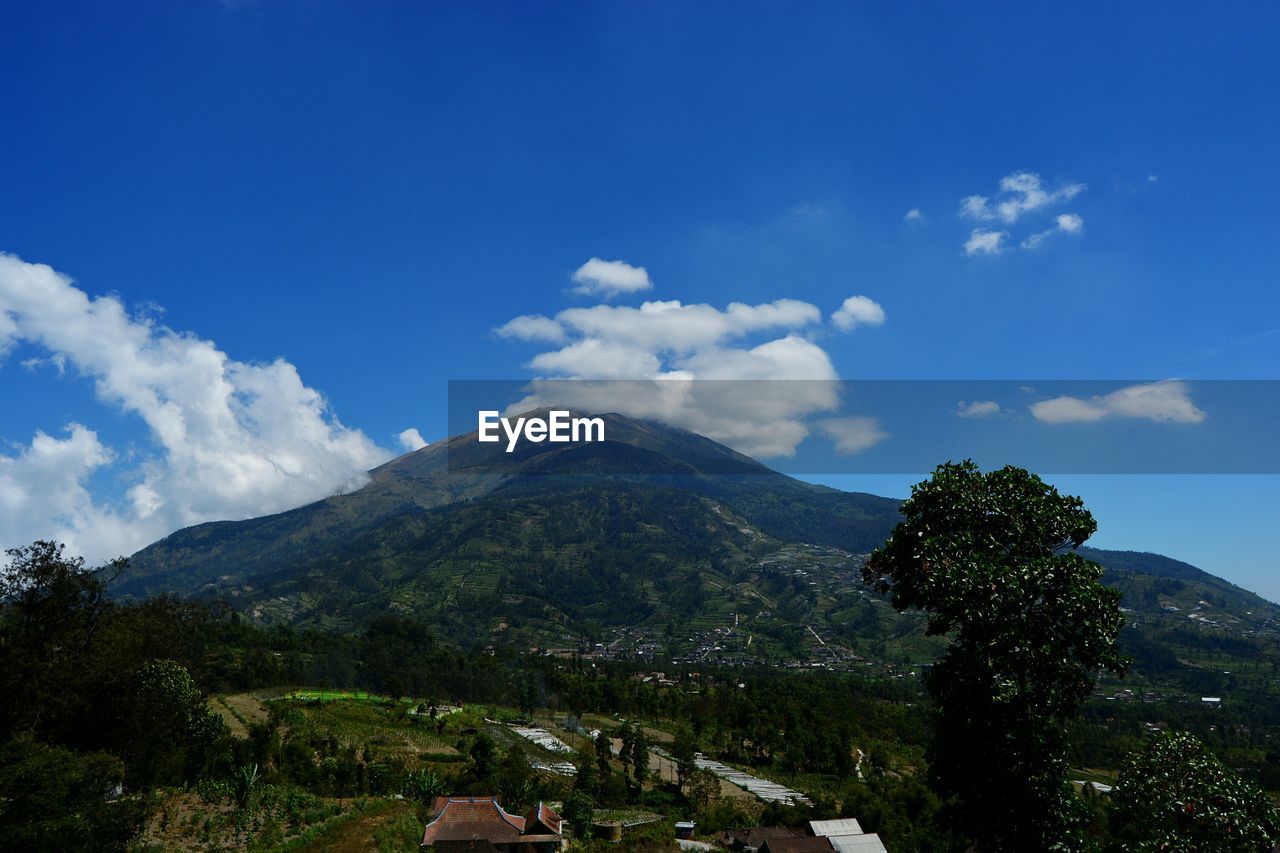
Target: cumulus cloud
<point x="1070" y="223"/>
<point x="977" y="409"/>
<point x="1162" y="402"/>
<point x="1020" y="193"/>
<point x="411" y="440"/>
<point x="673" y="327"/>
<point x="1064" y="223"/>
<point x="230" y="439"/>
<point x="915" y="214"/>
<point x="666" y="344"/>
<point x="610" y="278"/>
<point x="984" y="242"/>
<point x="597" y="359"/>
<point x="858" y="311"/>
<point x="663" y="336"/>
<point x="853" y="435"/>
<point x="531" y="327"/>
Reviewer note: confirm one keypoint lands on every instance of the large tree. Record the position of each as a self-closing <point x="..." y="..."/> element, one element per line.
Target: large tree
<point x="990" y="559"/>
<point x="51" y="610"/>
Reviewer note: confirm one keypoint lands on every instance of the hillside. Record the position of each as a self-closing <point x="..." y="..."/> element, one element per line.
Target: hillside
<point x="651" y="491"/>
<point x="657" y="542"/>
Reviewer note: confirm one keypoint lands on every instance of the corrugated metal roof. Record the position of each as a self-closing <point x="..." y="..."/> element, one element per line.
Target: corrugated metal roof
<point x="841" y="826"/>
<point x="865" y="843"/>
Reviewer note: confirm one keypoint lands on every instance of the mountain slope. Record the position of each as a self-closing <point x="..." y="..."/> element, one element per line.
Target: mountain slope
<point x="655" y="540"/>
<point x="638" y="453"/>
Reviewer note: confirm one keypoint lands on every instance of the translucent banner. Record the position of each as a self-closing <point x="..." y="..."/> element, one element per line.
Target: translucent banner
<point x="814" y="427"/>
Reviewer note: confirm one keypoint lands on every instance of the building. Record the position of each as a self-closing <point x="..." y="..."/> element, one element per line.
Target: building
<point x="481" y="824"/>
<point x="846" y="836"/>
<point x="751" y="840"/>
<point x="798" y="844"/>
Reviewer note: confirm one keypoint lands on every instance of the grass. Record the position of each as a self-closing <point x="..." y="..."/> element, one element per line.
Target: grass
<point x="343" y="696"/>
<point x="388" y="826"/>
<point x="385" y="727"/>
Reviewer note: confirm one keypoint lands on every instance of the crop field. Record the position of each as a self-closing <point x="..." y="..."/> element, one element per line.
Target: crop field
<point x="379" y="724"/>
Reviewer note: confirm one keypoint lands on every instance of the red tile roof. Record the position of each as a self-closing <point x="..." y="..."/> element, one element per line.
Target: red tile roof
<point x="472" y="819"/>
<point x="544" y="815"/>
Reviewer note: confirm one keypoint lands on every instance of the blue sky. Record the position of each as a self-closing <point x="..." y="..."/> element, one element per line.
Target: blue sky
<point x="366" y="191"/>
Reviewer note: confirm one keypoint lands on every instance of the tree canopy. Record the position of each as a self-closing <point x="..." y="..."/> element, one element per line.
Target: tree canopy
<point x="990" y="559"/>
<point x="1175" y="794"/>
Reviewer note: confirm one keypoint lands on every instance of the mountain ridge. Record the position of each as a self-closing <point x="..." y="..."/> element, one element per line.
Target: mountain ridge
<point x="574" y="546"/>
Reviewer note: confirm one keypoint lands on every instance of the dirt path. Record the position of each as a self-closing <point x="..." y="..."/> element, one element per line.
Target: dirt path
<point x="248" y="706"/>
<point x="665" y="770"/>
<point x="233" y="723"/>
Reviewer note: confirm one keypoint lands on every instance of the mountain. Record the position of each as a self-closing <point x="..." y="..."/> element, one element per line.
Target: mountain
<point x="654" y="540"/>
<point x="645" y="512"/>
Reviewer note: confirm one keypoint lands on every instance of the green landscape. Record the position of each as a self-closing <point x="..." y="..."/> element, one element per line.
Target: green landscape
<point x="675" y="427"/>
<point x="316" y="680"/>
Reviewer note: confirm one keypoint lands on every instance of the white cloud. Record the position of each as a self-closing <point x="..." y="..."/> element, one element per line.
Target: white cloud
<point x="853" y="435"/>
<point x="44" y="494"/>
<point x="1162" y="402"/>
<point x="610" y="278"/>
<point x="1070" y="223"/>
<point x="672" y="343"/>
<point x="670" y="326"/>
<point x="1064" y="223"/>
<point x="915" y="214"/>
<point x="531" y="327"/>
<point x="411" y="440"/>
<point x="57" y="361"/>
<point x="858" y="311"/>
<point x="982" y="242"/>
<point x="1020" y="193"/>
<point x="596" y="359"/>
<point x="977" y="409"/>
<point x="230" y="439"/>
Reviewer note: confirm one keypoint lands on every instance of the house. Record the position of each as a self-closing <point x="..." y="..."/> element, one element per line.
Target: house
<point x="798" y="844"/>
<point x="481" y="824"/>
<point x="846" y="836"/>
<point x="751" y="840"/>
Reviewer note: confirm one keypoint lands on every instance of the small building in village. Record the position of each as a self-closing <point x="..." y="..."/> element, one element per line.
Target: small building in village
<point x="846" y="836"/>
<point x="798" y="844"/>
<point x="752" y="839"/>
<point x="482" y="824"/>
<point x="843" y="835"/>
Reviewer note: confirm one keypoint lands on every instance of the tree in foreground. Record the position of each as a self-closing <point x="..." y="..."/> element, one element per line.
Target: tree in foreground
<point x="52" y="798"/>
<point x="580" y="811"/>
<point x="990" y="559"/>
<point x="1176" y="795"/>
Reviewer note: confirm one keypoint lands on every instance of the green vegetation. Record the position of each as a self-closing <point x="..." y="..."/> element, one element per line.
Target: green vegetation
<point x="1175" y="794"/>
<point x="661" y="614"/>
<point x="989" y="558"/>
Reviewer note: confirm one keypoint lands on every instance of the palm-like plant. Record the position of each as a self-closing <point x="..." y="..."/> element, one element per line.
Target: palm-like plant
<point x="520" y="793"/>
<point x="246" y="781"/>
<point x="423" y="786"/>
